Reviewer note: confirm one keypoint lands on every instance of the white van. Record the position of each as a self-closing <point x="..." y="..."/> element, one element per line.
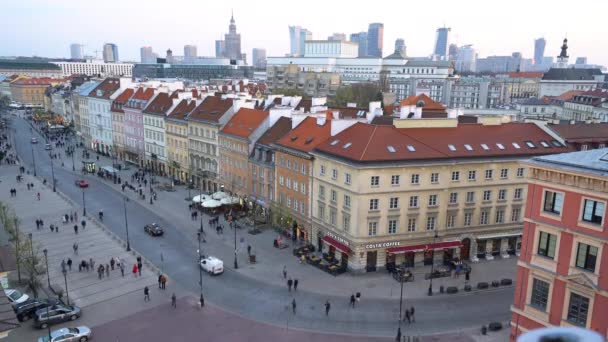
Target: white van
<point x="212" y="265"/>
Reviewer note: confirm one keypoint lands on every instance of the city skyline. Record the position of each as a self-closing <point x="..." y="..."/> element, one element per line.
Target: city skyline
<point x="203" y="24"/>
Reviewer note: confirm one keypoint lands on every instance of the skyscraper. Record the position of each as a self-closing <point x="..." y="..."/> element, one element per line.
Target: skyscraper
<point x="77" y="51"/>
<point x="110" y="53"/>
<point x="400" y="46"/>
<point x="375" y="39"/>
<point x="441" y="43"/>
<point x="220" y="48"/>
<point x="466" y="60"/>
<point x="189" y="53"/>
<point x="147" y="55"/>
<point x="539" y="50"/>
<point x="360" y="38"/>
<point x="453" y="52"/>
<point x="297" y="39"/>
<point x="258" y="58"/>
<point x="233" y="42"/>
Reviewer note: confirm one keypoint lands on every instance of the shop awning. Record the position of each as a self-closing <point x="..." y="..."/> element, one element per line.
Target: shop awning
<point x="420" y="248"/>
<point x="339" y="246"/>
<point x="499" y="235"/>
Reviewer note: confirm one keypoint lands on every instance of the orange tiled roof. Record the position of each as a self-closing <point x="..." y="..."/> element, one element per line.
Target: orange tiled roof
<point x="107" y="88"/>
<point x="307" y="135"/>
<point x="276" y="132"/>
<point x="581" y="131"/>
<point x="568" y="95"/>
<point x="211" y="109"/>
<point x="121" y="100"/>
<point x="429" y="104"/>
<point x="160" y="105"/>
<point x="244" y="122"/>
<point x="526" y="74"/>
<point x="182" y="109"/>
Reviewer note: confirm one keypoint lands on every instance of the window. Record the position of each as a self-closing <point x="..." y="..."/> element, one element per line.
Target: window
<point x="487" y="195"/>
<point x="373" y="204"/>
<point x="502" y="194"/>
<point x="553" y="202"/>
<point x="288" y="183"/>
<point x="303" y="189"/>
<point x="500" y="216"/>
<point x="504" y="173"/>
<point x="334" y="174"/>
<point x="281" y="180"/>
<point x="394" y="203"/>
<point x="347" y="178"/>
<point x="392" y="226"/>
<point x="411" y="225"/>
<point x="322" y="171"/>
<point x="415" y="178"/>
<point x="517" y="193"/>
<point x="489" y="174"/>
<point x="296" y="206"/>
<point x="321" y="191"/>
<point x="455" y="176"/>
<point x="578" y="309"/>
<point x="372" y="228"/>
<point x="434" y="178"/>
<point x="472" y="175"/>
<point x="586" y="256"/>
<point x="296" y="186"/>
<point x="470" y="196"/>
<point x="593" y="211"/>
<point x="347" y="201"/>
<point x="451" y="221"/>
<point x="430" y="222"/>
<point x="515" y="214"/>
<point x="395" y="180"/>
<point x="453" y="198"/>
<point x="375" y="181"/>
<point x="432" y="200"/>
<point x="520" y="172"/>
<point x="468" y="218"/>
<point x="334" y="195"/>
<point x="322" y="212"/>
<point x="546" y="244"/>
<point x="413" y="201"/>
<point x="346" y="223"/>
<point x="332" y="216"/>
<point x="483" y="219"/>
<point x="540" y="294"/>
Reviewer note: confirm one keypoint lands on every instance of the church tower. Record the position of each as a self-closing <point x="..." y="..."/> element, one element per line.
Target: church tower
<point x="562" y="59"/>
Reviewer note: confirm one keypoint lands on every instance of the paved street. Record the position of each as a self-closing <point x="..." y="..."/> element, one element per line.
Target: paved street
<point x="257" y="291"/>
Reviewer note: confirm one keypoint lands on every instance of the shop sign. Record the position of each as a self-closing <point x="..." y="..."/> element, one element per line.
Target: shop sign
<point x="382" y="245"/>
<point x="338" y="238"/>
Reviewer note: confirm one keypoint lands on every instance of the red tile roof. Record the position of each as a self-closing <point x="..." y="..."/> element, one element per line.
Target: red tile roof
<point x="276" y="132"/>
<point x="526" y="74"/>
<point x="143" y="94"/>
<point x="182" y="109"/>
<point x="581" y="131"/>
<point x="160" y="105"/>
<point x="244" y="122"/>
<point x="568" y="95"/>
<point x="349" y="112"/>
<point x="369" y="143"/>
<point x="307" y="135"/>
<point x="211" y="109"/>
<point x="121" y="100"/>
<point x="428" y="103"/>
<point x="106" y="88"/>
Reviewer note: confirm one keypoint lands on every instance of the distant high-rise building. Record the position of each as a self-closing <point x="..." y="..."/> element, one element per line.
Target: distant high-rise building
<point x="220" y="48"/>
<point x="297" y="39"/>
<point x="466" y="60"/>
<point x="375" y="39"/>
<point x="244" y="58"/>
<point x="453" y="52"/>
<point x="258" y="58"/>
<point x="189" y="52"/>
<point x="77" y="51"/>
<point x="169" y="57"/>
<point x="233" y="42"/>
<point x="441" y="42"/>
<point x="337" y="36"/>
<point x="110" y="53"/>
<point x="400" y="46"/>
<point x="360" y="38"/>
<point x="147" y="55"/>
<point x="539" y="50"/>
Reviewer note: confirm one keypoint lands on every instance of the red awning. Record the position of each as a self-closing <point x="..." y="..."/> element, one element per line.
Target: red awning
<point x="339" y="246"/>
<point x="419" y="248"/>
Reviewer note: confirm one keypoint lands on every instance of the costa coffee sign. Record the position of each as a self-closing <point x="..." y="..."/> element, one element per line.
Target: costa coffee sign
<point x="338" y="238"/>
<point x="382" y="245"/>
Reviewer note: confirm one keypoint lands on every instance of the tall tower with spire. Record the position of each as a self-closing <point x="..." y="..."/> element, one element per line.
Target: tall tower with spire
<point x="232" y="41"/>
<point x="562" y="59"/>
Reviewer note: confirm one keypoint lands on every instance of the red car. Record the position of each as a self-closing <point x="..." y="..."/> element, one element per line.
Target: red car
<point x="82" y="183"/>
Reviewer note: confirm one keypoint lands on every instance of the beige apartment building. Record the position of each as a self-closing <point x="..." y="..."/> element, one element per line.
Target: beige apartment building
<point x="177" y="140"/>
<point x="118" y="122"/>
<point x="408" y="194"/>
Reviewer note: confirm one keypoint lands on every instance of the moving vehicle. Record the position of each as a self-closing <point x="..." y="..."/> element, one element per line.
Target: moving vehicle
<point x="27" y="309"/>
<point x="48" y="147"/>
<point x="82" y="183"/>
<point x="56" y="314"/>
<point x="79" y="334"/>
<point x="154" y="229"/>
<point x="16" y="296"/>
<point x="34" y="141"/>
<point x="212" y="265"/>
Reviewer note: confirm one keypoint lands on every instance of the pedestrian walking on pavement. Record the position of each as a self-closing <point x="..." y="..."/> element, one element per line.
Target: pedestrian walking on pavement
<point x="75" y="229"/>
<point x="412" y="314"/>
<point x="135" y="270"/>
<point x="39" y="196"/>
<point x="201" y="302"/>
<point x="327" y="307"/>
<point x="173" y="300"/>
<point x="83" y="223"/>
<point x="107" y="270"/>
<point x="284" y="271"/>
<point x="69" y="264"/>
<point x="163" y="281"/>
<point x="63" y="265"/>
<point x="293" y="306"/>
<point x="122" y="270"/>
<point x="146" y="294"/>
<point x="56" y="229"/>
<point x="160" y="277"/>
<point x="407" y="316"/>
<point x="295" y="284"/>
<point x="75" y="248"/>
<point x="249" y="250"/>
<point x="112" y="263"/>
<point x="352" y="300"/>
<point x="289" y="283"/>
<point x="139" y="267"/>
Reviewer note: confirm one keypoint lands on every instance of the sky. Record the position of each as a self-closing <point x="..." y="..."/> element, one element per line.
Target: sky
<point x="47" y="28"/>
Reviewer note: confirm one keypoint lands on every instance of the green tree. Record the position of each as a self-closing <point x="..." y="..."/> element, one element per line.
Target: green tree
<point x="360" y="93"/>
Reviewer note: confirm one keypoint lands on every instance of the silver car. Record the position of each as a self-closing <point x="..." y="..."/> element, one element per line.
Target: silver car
<point x="79" y="334"/>
<point x="56" y="314"/>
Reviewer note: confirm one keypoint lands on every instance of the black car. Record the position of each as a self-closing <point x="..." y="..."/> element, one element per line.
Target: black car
<point x="154" y="229"/>
<point x="27" y="309"/>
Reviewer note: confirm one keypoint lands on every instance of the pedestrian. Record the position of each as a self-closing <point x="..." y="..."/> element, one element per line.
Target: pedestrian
<point x="163" y="281"/>
<point x="327" y="307"/>
<point x="249" y="250"/>
<point x="52" y="228"/>
<point x="92" y="263"/>
<point x="107" y="270"/>
<point x="69" y="264"/>
<point x="112" y="262"/>
<point x="160" y="277"/>
<point x="295" y="284"/>
<point x="75" y="247"/>
<point x="412" y="314"/>
<point x="352" y="300"/>
<point x="39" y="196"/>
<point x="76" y="229"/>
<point x="467" y="276"/>
<point x="146" y="294"/>
<point x="173" y="300"/>
<point x="56" y="229"/>
<point x="63" y="265"/>
<point x="122" y="270"/>
<point x="201" y="301"/>
<point x="289" y="283"/>
<point x="139" y="267"/>
<point x="135" y="270"/>
<point x="407" y="316"/>
<point x="284" y="271"/>
<point x="293" y="306"/>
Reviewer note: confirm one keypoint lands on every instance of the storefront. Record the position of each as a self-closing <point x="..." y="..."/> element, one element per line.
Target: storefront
<point x="424" y="254"/>
<point x="501" y="245"/>
<point x="335" y="246"/>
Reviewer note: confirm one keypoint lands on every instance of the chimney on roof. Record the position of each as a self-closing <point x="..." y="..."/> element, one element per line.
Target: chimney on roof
<point x="321" y="120"/>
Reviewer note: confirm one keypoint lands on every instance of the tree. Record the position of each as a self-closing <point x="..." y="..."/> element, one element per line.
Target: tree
<point x="4" y="101"/>
<point x="288" y="92"/>
<point x="360" y="93"/>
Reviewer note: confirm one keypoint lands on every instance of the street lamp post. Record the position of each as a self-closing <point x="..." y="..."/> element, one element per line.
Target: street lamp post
<point x="236" y="265"/>
<point x="33" y="159"/>
<point x="401" y="280"/>
<point x="32" y="255"/>
<point x="16" y="221"/>
<point x="52" y="172"/>
<point x="124" y="201"/>
<point x="65" y="278"/>
<point x="200" y="269"/>
<point x="430" y="293"/>
<point x="46" y="261"/>
<point x="84" y="204"/>
<point x="73" y="149"/>
<point x="201" y="230"/>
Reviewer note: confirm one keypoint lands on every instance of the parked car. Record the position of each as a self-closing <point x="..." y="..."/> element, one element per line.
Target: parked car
<point x="34" y="141"/>
<point x="27" y="309"/>
<point x="154" y="229"/>
<point x="16" y="296"/>
<point x="48" y="147"/>
<point x="79" y="334"/>
<point x="55" y="314"/>
<point x="212" y="265"/>
<point x="82" y="183"/>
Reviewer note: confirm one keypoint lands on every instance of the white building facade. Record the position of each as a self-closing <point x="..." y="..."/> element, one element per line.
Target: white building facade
<point x="95" y="67"/>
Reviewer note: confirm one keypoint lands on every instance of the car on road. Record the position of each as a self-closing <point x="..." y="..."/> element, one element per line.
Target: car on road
<point x="34" y="141"/>
<point x="82" y="183"/>
<point x="79" y="334"/>
<point x="48" y="147"/>
<point x="55" y="314"/>
<point x="154" y="229"/>
<point x="27" y="309"/>
<point x="212" y="265"/>
<point x="16" y="296"/>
